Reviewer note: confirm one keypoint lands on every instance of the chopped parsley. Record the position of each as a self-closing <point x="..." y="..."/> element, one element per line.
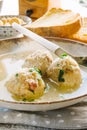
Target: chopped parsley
<point x="60" y="77"/>
<point x="35" y="69"/>
<point x="16" y="75"/>
<point x="25" y="100"/>
<point x="63" y="55"/>
<point x="38" y="70"/>
<point x="30" y="70"/>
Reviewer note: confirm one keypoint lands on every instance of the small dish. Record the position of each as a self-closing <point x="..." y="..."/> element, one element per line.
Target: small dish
<point x="7" y="31"/>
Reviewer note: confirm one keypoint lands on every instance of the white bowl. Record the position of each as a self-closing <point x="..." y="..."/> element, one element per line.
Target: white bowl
<point x="7" y="31"/>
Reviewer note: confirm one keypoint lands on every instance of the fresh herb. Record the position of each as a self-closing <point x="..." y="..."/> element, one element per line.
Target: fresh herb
<point x="60" y="77"/>
<point x="30" y="70"/>
<point x="25" y="100"/>
<point x="38" y="70"/>
<point x="16" y="75"/>
<point x="35" y="69"/>
<point x="63" y="55"/>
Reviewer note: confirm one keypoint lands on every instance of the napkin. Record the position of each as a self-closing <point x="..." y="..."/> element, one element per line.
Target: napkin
<point x="74" y="117"/>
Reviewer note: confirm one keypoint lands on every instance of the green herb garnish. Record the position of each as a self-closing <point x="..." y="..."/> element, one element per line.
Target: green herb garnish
<point x="25" y="100"/>
<point x="63" y="55"/>
<point x="38" y="70"/>
<point x="16" y="75"/>
<point x="35" y="69"/>
<point x="60" y="77"/>
<point x="31" y="70"/>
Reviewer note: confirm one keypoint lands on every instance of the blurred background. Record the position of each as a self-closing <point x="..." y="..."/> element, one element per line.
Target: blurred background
<point x="18" y="6"/>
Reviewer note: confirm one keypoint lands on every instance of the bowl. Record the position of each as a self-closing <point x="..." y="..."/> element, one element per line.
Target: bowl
<point x="6" y="29"/>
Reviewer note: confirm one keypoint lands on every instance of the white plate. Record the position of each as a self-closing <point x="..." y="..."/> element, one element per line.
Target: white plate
<point x="50" y="100"/>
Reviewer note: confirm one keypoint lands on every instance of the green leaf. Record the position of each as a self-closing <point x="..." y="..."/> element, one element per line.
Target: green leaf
<point x="38" y="70"/>
<point x="35" y="69"/>
<point x="63" y="55"/>
<point x="30" y="70"/>
<point x="60" y="77"/>
<point x="16" y="75"/>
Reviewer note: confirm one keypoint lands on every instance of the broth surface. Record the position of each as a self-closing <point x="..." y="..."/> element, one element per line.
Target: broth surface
<point x="12" y="62"/>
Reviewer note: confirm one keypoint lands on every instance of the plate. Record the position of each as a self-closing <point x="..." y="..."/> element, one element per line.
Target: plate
<point x="7" y="31"/>
<point x="12" y="62"/>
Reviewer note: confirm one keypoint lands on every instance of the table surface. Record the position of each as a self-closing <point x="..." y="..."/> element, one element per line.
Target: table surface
<point x="72" y="117"/>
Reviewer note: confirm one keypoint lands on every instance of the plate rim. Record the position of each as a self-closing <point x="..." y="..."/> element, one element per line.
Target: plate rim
<point x="46" y="102"/>
<point x="29" y="20"/>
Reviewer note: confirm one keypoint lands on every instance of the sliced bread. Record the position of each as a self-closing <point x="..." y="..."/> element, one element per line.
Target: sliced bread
<point x="57" y="23"/>
<point x="81" y="35"/>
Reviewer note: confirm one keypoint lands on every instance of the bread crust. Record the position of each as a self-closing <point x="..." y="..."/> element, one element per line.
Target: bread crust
<point x="62" y="30"/>
<point x="81" y="35"/>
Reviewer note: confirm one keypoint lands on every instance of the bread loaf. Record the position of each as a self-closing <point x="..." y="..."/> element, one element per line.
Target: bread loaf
<point x="57" y="23"/>
<point x="81" y="35"/>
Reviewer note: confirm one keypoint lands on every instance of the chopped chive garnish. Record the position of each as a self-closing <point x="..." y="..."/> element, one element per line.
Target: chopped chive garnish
<point x="35" y="69"/>
<point x="16" y="75"/>
<point x="25" y="100"/>
<point x="30" y="70"/>
<point x="60" y="77"/>
<point x="38" y="70"/>
<point x="63" y="55"/>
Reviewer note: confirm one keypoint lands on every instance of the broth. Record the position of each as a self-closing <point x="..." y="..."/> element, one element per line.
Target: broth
<point x="12" y="63"/>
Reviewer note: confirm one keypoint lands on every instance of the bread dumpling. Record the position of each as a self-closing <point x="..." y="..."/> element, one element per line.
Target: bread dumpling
<point x="39" y="59"/>
<point x="65" y="72"/>
<point x="26" y="85"/>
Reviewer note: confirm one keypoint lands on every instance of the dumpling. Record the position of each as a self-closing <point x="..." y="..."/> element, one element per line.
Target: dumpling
<point x="65" y="72"/>
<point x="26" y="85"/>
<point x="40" y="60"/>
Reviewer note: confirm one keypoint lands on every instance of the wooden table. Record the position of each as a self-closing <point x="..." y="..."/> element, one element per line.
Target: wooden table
<point x="72" y="117"/>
